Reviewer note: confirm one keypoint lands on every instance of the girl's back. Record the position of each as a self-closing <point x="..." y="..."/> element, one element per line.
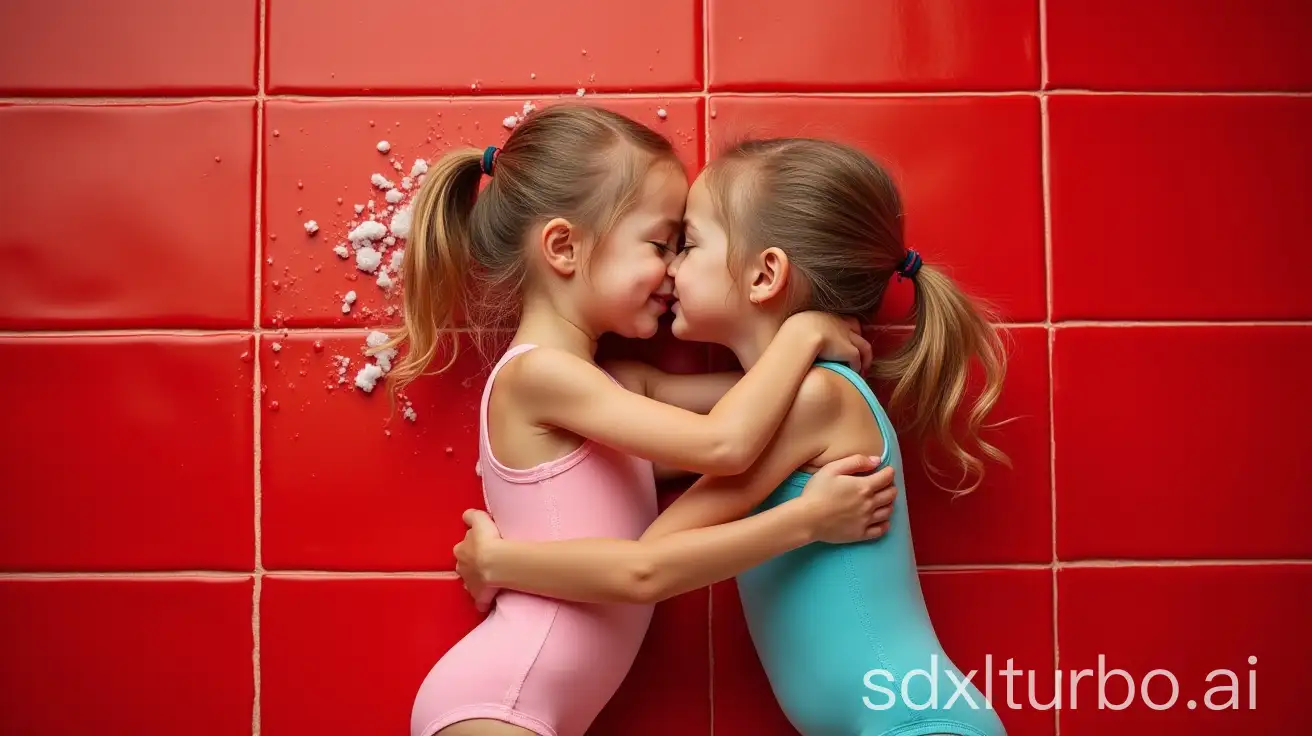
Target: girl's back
<point x="840" y="629"/>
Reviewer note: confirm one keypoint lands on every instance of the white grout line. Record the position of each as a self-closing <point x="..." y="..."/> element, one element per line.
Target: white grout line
<point x="1071" y="92"/>
<point x="126" y="100"/>
<point x="258" y="588"/>
<point x="334" y="575"/>
<point x="184" y="332"/>
<point x="353" y="329"/>
<point x="1067" y="324"/>
<point x="365" y="574"/>
<point x="144" y="575"/>
<point x="983" y="567"/>
<point x="1253" y="562"/>
<point x="1045" y="139"/>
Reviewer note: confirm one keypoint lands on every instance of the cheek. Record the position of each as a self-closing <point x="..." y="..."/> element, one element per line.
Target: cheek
<point x="706" y="289"/>
<point x="650" y="273"/>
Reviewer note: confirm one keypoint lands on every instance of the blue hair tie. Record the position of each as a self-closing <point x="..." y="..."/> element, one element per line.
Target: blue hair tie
<point x="910" y="265"/>
<point x="489" y="158"/>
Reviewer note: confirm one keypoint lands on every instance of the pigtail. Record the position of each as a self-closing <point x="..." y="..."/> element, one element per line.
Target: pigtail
<point x="436" y="264"/>
<point x="931" y="368"/>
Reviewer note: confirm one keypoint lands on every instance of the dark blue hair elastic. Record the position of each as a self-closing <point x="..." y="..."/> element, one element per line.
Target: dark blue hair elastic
<point x="489" y="158"/>
<point x="910" y="265"/>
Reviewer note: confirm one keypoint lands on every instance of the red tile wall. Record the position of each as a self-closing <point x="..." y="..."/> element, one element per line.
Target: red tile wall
<point x="203" y="531"/>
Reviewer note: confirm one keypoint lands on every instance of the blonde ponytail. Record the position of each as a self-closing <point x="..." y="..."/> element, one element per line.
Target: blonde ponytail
<point x="465" y="255"/>
<point x="436" y="264"/>
<point x="931" y="368"/>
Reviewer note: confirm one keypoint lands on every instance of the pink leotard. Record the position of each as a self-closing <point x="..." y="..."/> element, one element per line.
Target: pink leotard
<point x="546" y="665"/>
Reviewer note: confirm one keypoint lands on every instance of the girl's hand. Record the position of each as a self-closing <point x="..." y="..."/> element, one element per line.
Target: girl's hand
<point x="471" y="554"/>
<point x="840" y="338"/>
<point x="850" y="508"/>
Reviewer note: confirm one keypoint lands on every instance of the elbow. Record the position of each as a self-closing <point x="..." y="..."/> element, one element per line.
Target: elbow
<point x="731" y="455"/>
<point x="643" y="583"/>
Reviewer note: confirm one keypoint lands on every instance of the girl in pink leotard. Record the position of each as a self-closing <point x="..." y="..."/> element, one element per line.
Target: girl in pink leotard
<point x="572" y="235"/>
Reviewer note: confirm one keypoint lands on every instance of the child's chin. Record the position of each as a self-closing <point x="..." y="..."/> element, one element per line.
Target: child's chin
<point x="645" y="329"/>
<point x="680" y="329"/>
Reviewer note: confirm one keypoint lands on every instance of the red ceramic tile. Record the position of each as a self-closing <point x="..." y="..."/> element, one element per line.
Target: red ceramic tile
<point x="1217" y="632"/>
<point x="145" y="46"/>
<point x="1180" y="207"/>
<point x="668" y="688"/>
<point x="321" y="157"/>
<point x="348" y="656"/>
<point x="1179" y="45"/>
<point x="127" y="453"/>
<point x="347" y="483"/>
<point x="968" y="170"/>
<point x="983" y="619"/>
<point x="1182" y="442"/>
<point x="901" y="45"/>
<point x="139" y="657"/>
<point x="417" y="46"/>
<point x="127" y="216"/>
<point x="1009" y="517"/>
<point x="991" y="620"/>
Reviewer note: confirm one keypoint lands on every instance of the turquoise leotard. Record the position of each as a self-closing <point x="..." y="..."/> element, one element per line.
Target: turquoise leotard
<point x="824" y="616"/>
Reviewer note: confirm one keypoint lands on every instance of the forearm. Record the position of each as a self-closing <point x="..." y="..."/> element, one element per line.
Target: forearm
<point x="647" y="571"/>
<point x="751" y="411"/>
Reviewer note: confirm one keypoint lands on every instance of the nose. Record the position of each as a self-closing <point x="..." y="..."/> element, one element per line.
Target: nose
<point x="673" y="269"/>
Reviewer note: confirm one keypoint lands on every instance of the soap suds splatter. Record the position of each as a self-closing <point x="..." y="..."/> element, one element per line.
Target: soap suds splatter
<point x="367" y="259"/>
<point x="510" y="122"/>
<point x="366" y="232"/>
<point x="374" y="244"/>
<point x="400" y="226"/>
<point x="366" y="379"/>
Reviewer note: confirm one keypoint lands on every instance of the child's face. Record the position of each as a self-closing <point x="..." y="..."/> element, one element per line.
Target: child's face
<point x="710" y="301"/>
<point x="627" y="271"/>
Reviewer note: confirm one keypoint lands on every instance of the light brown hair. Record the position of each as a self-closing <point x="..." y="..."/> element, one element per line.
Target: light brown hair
<point x="465" y="254"/>
<point x="838" y="217"/>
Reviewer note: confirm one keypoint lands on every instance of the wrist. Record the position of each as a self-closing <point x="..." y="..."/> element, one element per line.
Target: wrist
<point x="807" y="517"/>
<point x="489" y="562"/>
<point x="801" y="334"/>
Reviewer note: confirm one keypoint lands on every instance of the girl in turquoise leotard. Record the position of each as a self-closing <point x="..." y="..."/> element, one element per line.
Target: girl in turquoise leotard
<point x="771" y="228"/>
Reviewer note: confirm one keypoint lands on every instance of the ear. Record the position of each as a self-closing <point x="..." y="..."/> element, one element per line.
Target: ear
<point x="769" y="275"/>
<point x="559" y="246"/>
